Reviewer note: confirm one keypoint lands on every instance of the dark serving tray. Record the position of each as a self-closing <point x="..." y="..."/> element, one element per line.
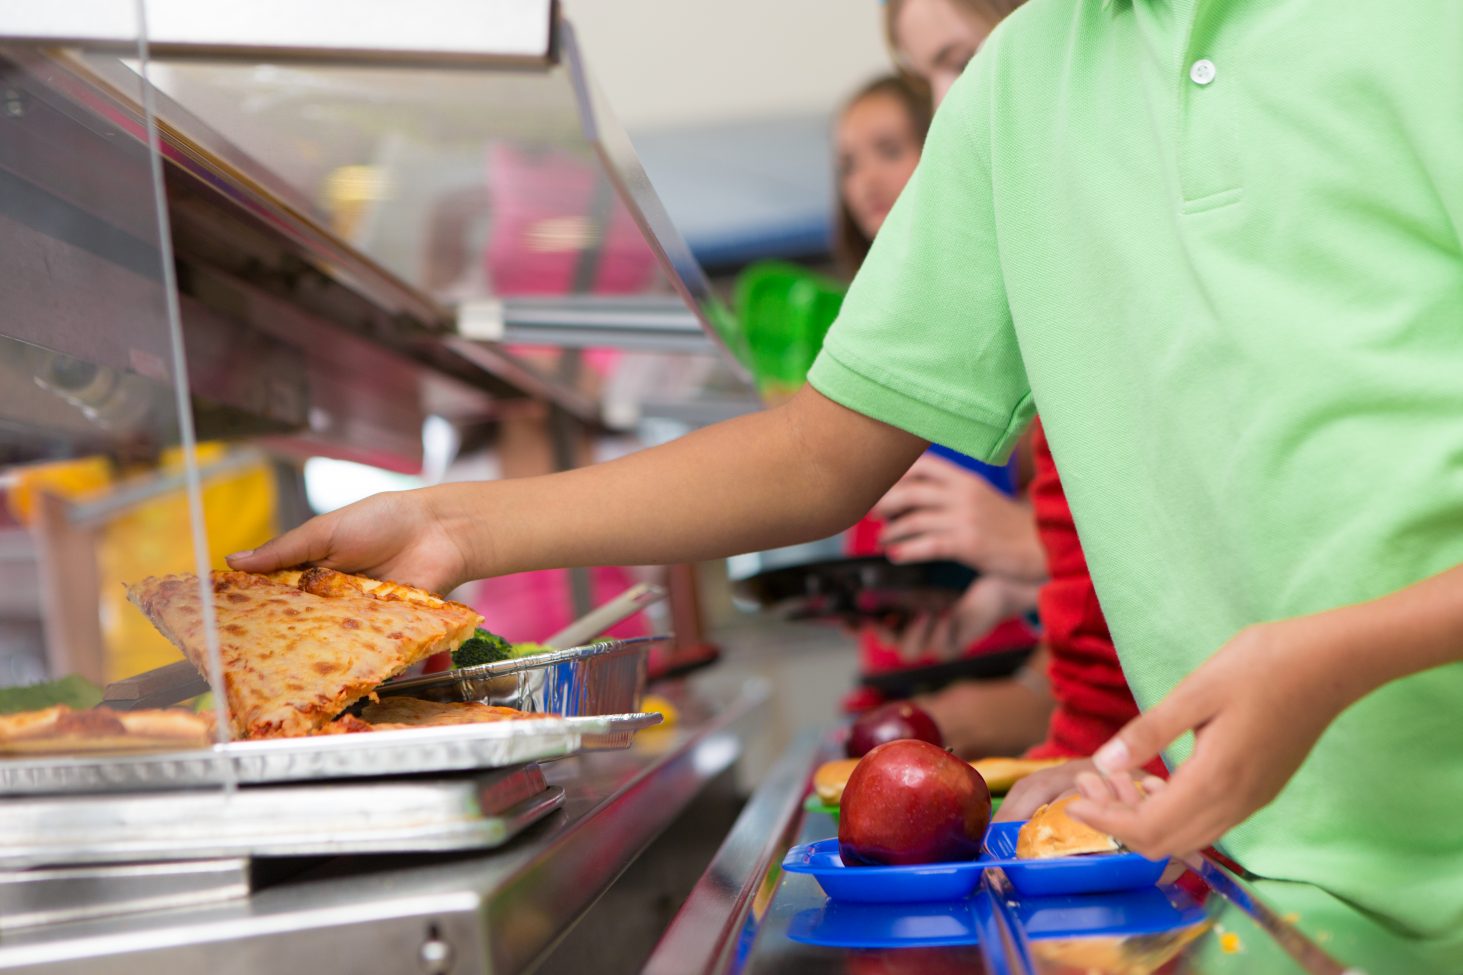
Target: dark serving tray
<point x="857" y="589"/>
<point x="913" y="681"/>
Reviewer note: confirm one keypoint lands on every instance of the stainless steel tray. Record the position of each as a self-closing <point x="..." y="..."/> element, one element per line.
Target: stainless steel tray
<point x="371" y="755"/>
<point x="602" y="678"/>
<point x="464" y="812"/>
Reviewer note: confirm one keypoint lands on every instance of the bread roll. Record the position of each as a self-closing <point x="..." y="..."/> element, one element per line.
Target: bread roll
<point x="1052" y="833"/>
<point x="1002" y="773"/>
<point x="831" y="777"/>
<point x="999" y="774"/>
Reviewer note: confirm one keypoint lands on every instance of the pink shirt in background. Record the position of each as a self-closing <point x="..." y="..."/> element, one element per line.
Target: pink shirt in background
<point x="540" y="212"/>
<point x="541" y="207"/>
<point x="531" y="606"/>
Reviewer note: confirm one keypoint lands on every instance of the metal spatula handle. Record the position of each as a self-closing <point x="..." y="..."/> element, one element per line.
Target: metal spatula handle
<point x="596" y="621"/>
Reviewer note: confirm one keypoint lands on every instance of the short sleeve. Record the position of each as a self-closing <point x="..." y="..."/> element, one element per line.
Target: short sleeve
<point x="925" y="341"/>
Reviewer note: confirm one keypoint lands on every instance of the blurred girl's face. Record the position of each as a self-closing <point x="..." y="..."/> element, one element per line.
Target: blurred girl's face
<point x="936" y="41"/>
<point x="877" y="152"/>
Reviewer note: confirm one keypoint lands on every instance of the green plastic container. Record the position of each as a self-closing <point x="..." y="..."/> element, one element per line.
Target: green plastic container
<point x="784" y="311"/>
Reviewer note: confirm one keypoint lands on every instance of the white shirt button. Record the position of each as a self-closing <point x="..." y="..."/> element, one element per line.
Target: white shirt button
<point x="1202" y="72"/>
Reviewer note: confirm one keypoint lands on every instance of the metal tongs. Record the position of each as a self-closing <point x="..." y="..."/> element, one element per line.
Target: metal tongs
<point x="166" y="686"/>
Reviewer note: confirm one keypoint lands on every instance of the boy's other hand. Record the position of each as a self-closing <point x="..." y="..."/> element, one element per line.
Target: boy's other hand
<point x="1256" y="707"/>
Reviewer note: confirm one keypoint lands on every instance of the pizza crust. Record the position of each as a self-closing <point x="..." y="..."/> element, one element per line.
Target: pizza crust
<point x="329" y="583"/>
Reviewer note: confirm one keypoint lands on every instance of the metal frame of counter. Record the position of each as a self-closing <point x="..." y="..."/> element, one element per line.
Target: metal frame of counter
<point x="493" y="912"/>
<point x="308" y="324"/>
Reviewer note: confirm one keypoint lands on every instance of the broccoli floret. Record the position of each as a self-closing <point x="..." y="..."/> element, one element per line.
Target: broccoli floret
<point x="482" y="647"/>
<point x="521" y="650"/>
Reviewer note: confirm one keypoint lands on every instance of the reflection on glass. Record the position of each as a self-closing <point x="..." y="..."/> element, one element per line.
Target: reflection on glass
<point x="92" y="492"/>
<point x="465" y="184"/>
<point x="1361" y="941"/>
<point x="1142" y="955"/>
<point x="1225" y="938"/>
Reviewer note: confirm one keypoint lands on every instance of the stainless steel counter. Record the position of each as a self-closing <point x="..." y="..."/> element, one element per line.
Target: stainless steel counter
<point x="739" y="917"/>
<point x="496" y="912"/>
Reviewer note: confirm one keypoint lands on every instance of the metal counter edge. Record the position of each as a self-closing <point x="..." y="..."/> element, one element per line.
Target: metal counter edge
<point x="715" y="917"/>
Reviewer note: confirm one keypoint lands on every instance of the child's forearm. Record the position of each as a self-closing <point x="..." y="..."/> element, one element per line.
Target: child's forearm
<point x="802" y="471"/>
<point x="1405" y="632"/>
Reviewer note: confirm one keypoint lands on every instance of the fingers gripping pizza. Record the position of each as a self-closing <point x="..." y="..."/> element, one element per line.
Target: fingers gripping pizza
<point x="298" y="647"/>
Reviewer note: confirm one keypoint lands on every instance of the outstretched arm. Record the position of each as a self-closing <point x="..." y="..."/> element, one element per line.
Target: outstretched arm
<point x="802" y="471"/>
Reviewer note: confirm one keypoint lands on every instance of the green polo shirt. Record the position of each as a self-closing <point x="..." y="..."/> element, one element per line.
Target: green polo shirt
<point x="1218" y="243"/>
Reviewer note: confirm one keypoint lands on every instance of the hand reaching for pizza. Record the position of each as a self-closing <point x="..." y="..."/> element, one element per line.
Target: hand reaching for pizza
<point x="397" y="536"/>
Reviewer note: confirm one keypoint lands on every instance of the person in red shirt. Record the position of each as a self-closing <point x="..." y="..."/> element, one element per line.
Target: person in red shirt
<point x="1083" y="691"/>
<point x="1092" y="698"/>
<point x="878" y="136"/>
<point x="1082" y="697"/>
<point x="1071" y="696"/>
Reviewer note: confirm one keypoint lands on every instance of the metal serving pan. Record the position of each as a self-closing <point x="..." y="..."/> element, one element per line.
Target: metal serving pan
<point x="602" y="678"/>
<point x="368" y="755"/>
<point x="465" y="812"/>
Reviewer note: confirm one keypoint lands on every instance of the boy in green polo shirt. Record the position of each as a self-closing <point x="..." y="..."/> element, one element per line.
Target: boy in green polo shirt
<point x="1219" y="243"/>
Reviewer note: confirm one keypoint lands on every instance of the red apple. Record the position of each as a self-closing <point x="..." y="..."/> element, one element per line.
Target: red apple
<point x="912" y="802"/>
<point x="891" y="722"/>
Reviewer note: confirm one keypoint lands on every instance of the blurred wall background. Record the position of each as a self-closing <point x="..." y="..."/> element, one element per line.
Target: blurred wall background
<point x="729" y="105"/>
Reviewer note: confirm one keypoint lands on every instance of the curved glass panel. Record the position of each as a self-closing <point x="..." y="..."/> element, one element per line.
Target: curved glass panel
<point x="98" y="487"/>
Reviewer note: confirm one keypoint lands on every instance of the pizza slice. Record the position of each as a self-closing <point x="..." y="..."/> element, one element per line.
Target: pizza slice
<point x="298" y="647"/>
<point x="411" y="712"/>
<point x="396" y="713"/>
<point x="78" y="731"/>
